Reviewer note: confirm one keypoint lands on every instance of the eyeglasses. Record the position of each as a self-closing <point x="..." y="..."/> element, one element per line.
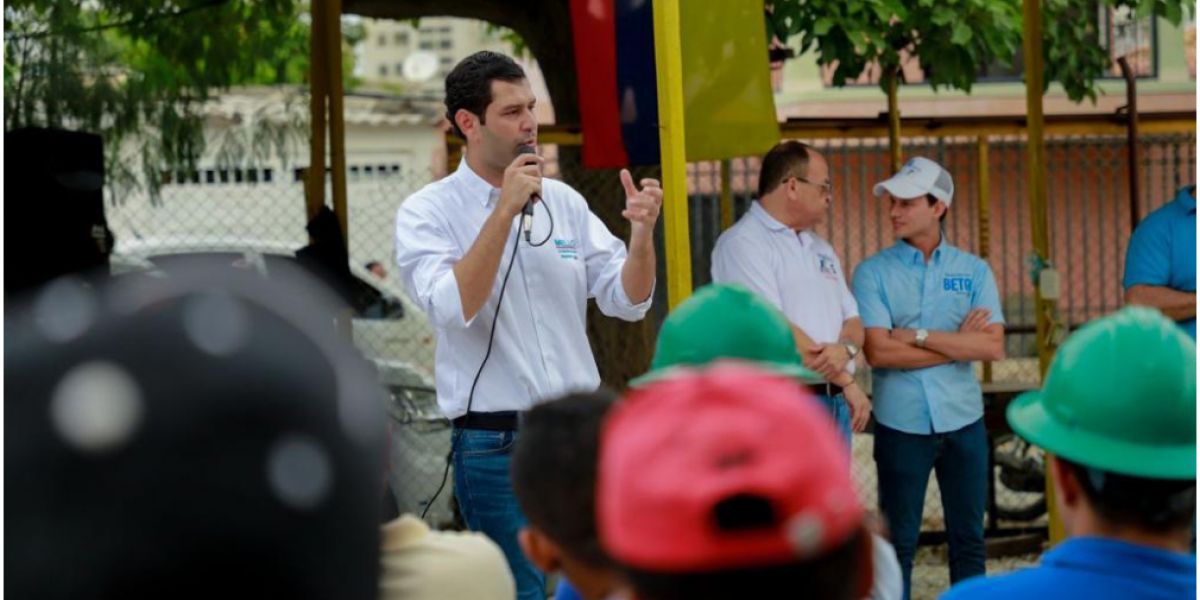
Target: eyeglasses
<point x="826" y="188"/>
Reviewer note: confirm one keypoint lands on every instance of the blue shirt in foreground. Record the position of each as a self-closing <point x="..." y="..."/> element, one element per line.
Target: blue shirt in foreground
<point x="896" y="289"/>
<point x="1162" y="251"/>
<point x="1093" y="568"/>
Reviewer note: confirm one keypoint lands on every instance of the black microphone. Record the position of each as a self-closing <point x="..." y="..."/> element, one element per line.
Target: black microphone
<point x="528" y="210"/>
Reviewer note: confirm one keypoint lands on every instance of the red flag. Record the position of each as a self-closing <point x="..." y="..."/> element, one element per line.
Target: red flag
<point x="594" y="28"/>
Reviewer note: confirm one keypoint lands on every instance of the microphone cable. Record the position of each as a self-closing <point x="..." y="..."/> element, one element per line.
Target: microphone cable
<point x="457" y="433"/>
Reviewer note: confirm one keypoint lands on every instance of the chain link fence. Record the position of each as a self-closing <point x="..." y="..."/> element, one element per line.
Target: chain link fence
<point x="1089" y="226"/>
<point x="254" y="217"/>
<point x="261" y="212"/>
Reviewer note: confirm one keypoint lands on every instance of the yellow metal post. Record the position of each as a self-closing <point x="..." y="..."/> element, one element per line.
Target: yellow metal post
<point x="985" y="216"/>
<point x="315" y="188"/>
<point x="726" y="196"/>
<point x="669" y="63"/>
<point x="337" y="129"/>
<point x="893" y="100"/>
<point x="1036" y="185"/>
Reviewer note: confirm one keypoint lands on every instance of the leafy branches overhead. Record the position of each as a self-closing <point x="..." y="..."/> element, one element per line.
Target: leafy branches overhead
<point x="953" y="38"/>
<point x="954" y="35"/>
<point x="141" y="70"/>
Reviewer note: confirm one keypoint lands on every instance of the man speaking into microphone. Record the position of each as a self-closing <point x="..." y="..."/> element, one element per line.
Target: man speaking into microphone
<point x="509" y="308"/>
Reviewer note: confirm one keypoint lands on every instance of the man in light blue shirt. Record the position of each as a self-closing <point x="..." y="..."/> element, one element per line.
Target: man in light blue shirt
<point x="929" y="310"/>
<point x="1160" y="264"/>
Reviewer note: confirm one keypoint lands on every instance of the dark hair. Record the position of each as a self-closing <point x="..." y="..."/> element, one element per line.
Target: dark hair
<point x="469" y="84"/>
<point x="932" y="200"/>
<point x="834" y="576"/>
<point x="1156" y="505"/>
<point x="554" y="471"/>
<point x="786" y="159"/>
<point x="370" y="264"/>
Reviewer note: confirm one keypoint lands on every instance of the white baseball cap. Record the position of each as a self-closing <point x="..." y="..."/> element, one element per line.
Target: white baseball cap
<point x="919" y="176"/>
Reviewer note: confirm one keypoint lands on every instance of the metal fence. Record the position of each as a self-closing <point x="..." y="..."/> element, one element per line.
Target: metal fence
<point x="251" y="213"/>
<point x="1088" y="214"/>
<point x="1089" y="228"/>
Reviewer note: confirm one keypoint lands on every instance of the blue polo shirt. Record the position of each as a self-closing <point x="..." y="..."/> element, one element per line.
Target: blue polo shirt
<point x="1094" y="568"/>
<point x="1162" y="251"/>
<point x="896" y="289"/>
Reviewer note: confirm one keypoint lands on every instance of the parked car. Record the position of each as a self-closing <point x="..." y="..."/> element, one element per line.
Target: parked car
<point x="420" y="443"/>
<point x="386" y="326"/>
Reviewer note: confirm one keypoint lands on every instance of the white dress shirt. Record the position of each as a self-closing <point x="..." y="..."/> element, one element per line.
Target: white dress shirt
<point x="541" y="348"/>
<point x="797" y="272"/>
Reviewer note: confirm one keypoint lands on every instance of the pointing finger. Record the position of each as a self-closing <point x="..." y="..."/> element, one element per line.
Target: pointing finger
<point x="627" y="182"/>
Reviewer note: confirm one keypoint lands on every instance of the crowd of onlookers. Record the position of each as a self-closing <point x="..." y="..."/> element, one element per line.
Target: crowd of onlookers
<point x="196" y="437"/>
<point x="212" y="434"/>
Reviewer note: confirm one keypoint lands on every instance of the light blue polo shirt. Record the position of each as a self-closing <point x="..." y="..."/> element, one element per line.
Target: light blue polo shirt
<point x="1162" y="251"/>
<point x="896" y="289"/>
<point x="1094" y="568"/>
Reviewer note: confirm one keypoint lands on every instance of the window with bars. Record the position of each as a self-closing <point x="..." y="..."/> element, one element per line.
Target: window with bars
<point x="219" y="176"/>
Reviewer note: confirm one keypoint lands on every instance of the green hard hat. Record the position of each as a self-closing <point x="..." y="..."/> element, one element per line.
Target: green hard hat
<point x="723" y="321"/>
<point x="1120" y="396"/>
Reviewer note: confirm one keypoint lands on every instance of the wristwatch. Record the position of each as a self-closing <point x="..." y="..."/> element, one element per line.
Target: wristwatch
<point x="851" y="349"/>
<point x="922" y="335"/>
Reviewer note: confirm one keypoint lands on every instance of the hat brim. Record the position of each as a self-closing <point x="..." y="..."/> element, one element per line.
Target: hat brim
<point x="899" y="187"/>
<point x="798" y="372"/>
<point x="1028" y="417"/>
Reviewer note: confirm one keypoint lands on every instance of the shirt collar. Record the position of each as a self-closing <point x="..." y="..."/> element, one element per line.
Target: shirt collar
<point x="766" y="219"/>
<point x="912" y="255"/>
<point x="1187" y="199"/>
<point x="806" y="237"/>
<point x="474" y="185"/>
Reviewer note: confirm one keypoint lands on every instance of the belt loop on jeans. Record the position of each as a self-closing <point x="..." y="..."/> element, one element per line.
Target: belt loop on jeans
<point x="508" y="420"/>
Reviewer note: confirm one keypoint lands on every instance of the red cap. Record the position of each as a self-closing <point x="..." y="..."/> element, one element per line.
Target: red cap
<point x="679" y="455"/>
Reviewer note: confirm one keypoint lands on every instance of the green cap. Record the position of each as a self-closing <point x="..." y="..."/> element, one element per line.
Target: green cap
<point x="1120" y="396"/>
<point x="723" y="321"/>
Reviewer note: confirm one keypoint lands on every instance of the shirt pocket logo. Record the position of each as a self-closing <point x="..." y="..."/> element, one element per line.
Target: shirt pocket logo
<point x="957" y="284"/>
<point x="568" y="249"/>
<point x="827" y="265"/>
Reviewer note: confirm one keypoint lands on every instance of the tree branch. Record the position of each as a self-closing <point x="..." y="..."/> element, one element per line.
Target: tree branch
<point x="138" y="22"/>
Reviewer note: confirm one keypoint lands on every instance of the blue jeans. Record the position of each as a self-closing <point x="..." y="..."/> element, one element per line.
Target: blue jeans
<point x="485" y="497"/>
<point x="959" y="458"/>
<point x="841" y="414"/>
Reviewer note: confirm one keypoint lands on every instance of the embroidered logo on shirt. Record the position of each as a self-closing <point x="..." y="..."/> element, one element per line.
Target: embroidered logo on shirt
<point x="567" y="249"/>
<point x="959" y="284"/>
<point x="827" y="265"/>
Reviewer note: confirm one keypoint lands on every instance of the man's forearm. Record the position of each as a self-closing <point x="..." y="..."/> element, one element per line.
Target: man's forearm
<point x="803" y="343"/>
<point x="1175" y="304"/>
<point x="853" y="332"/>
<point x="884" y="352"/>
<point x="476" y="271"/>
<point x="637" y="276"/>
<point x="967" y="346"/>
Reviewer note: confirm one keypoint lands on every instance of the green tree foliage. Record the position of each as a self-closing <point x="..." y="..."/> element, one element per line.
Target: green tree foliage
<point x="141" y="70"/>
<point x="953" y="38"/>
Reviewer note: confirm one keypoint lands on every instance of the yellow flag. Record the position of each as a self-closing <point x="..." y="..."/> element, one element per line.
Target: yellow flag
<point x="729" y="109"/>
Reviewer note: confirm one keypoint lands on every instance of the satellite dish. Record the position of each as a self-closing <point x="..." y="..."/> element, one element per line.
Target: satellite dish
<point x="420" y="66"/>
